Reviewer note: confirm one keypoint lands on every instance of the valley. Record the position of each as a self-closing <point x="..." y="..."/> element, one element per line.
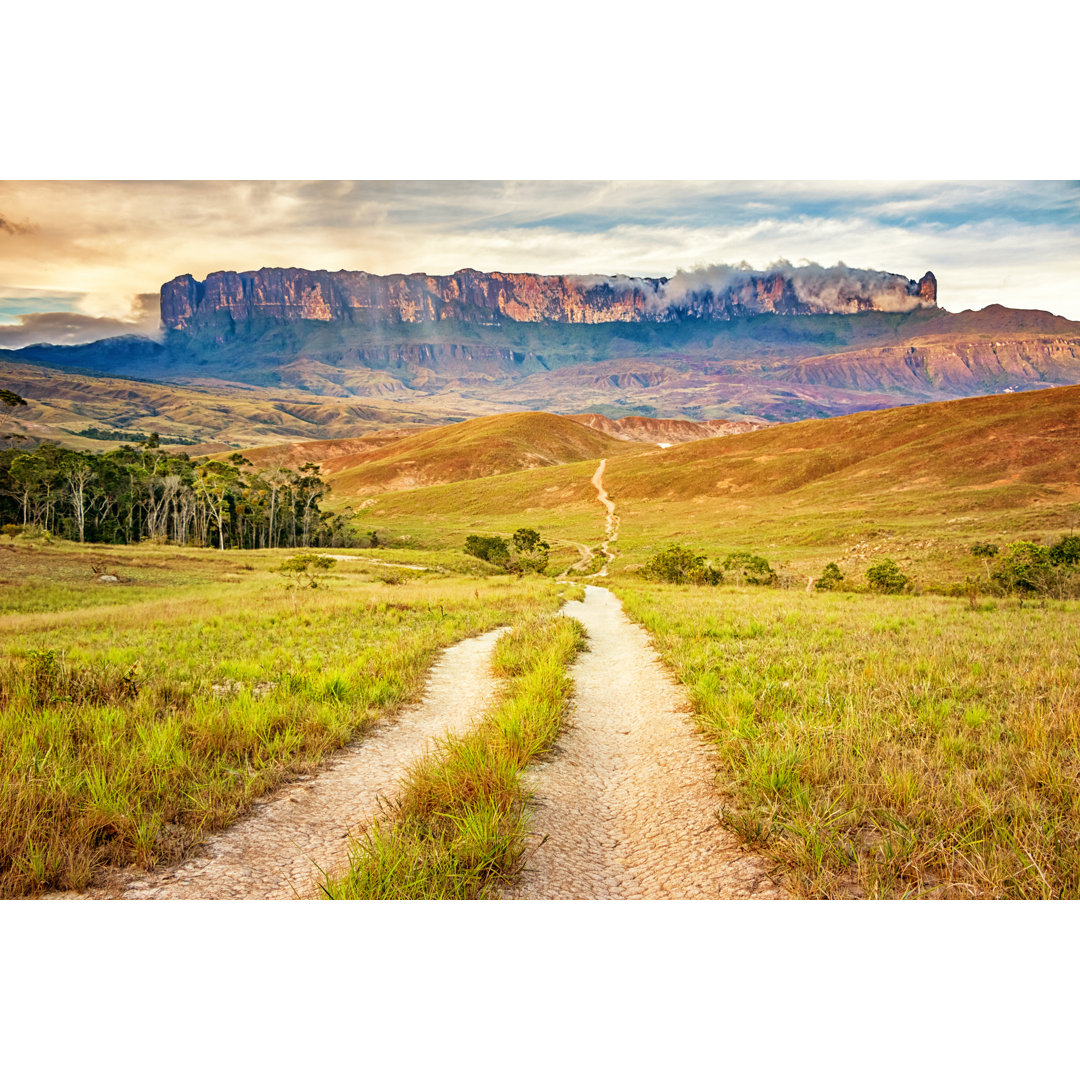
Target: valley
<point x="867" y="744"/>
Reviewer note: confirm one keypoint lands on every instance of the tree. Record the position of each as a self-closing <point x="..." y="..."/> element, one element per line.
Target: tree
<point x="885" y="577"/>
<point x="1025" y="568"/>
<point x="79" y="480"/>
<point x="530" y="552"/>
<point x="830" y="578"/>
<point x="678" y="565"/>
<point x="750" y="569"/>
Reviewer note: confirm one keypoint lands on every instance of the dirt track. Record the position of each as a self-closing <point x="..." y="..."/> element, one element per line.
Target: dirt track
<point x="275" y="851"/>
<point x="628" y="803"/>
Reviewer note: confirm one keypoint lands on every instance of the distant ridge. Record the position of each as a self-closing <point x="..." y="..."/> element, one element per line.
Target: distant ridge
<point x="469" y="296"/>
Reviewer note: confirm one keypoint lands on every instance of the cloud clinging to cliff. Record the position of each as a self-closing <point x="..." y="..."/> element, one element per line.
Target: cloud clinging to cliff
<point x="106" y="243"/>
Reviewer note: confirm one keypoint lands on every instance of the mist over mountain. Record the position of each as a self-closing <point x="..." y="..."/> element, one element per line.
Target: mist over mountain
<point x="723" y="343"/>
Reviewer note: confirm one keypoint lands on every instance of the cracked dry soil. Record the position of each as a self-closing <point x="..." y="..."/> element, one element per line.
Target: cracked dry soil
<point x="275" y="852"/>
<point x="625" y="807"/>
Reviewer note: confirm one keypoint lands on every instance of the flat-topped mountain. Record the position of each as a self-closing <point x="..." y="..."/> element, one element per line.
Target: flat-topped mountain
<point x="725" y="344"/>
<point x="295" y="295"/>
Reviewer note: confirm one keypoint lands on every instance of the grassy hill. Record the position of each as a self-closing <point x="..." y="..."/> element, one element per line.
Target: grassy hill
<point x="486" y="446"/>
<point x="919" y="483"/>
<point x="62" y="403"/>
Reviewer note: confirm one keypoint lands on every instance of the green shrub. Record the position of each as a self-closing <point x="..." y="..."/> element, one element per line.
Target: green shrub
<point x="530" y="552"/>
<point x="885" y="577"/>
<point x="985" y="551"/>
<point x="305" y="569"/>
<point x="680" y="566"/>
<point x="750" y="569"/>
<point x="830" y="578"/>
<point x="1034" y="570"/>
<point x="1066" y="552"/>
<point x="492" y="549"/>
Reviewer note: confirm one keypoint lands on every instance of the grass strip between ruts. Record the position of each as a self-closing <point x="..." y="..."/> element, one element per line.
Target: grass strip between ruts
<point x="459" y="825"/>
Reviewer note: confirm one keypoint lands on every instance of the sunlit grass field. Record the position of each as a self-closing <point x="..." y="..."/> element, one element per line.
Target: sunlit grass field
<point x="459" y="826"/>
<point x="137" y="716"/>
<point x="886" y="746"/>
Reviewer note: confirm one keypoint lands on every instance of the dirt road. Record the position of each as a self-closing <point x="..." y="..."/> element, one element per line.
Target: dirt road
<point x="274" y="852"/>
<point x="628" y="801"/>
<point x="611" y="524"/>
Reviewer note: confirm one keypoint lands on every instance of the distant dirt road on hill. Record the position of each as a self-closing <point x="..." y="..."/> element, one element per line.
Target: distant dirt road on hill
<point x="626" y="806"/>
<point x="272" y="853"/>
<point x="611" y="525"/>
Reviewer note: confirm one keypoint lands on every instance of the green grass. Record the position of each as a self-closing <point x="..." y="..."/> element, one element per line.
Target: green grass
<point x="886" y="746"/>
<point x="458" y="830"/>
<point x="129" y="730"/>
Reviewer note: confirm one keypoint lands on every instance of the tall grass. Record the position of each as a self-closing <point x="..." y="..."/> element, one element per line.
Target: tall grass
<point x="127" y="732"/>
<point x="458" y="829"/>
<point x="887" y="746"/>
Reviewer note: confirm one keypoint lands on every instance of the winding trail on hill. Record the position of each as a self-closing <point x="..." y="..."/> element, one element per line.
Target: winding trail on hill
<point x="626" y="805"/>
<point x="611" y="524"/>
<point x="274" y="853"/>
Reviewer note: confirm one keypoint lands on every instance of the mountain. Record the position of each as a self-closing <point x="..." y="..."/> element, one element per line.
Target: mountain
<point x="727" y="344"/>
<point x="295" y="295"/>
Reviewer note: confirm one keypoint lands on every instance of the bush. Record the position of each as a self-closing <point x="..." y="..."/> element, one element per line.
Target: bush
<point x="830" y="578"/>
<point x="680" y="566"/>
<point x="750" y="569"/>
<point x="1066" y="552"/>
<point x="1032" y="569"/>
<point x="530" y="552"/>
<point x="492" y="549"/>
<point x="305" y="569"/>
<point x="885" y="577"/>
<point x="985" y="551"/>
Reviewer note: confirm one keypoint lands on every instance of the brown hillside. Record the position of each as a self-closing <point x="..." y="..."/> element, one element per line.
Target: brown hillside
<point x="648" y="429"/>
<point x="1029" y="438"/>
<point x="325" y="452"/>
<point x="486" y="446"/>
<point x="61" y="402"/>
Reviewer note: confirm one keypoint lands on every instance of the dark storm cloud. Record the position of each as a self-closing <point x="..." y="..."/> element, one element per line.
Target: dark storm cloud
<point x="73" y="328"/>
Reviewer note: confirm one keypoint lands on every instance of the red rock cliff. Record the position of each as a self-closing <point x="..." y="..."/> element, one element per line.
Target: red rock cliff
<point x="292" y="295"/>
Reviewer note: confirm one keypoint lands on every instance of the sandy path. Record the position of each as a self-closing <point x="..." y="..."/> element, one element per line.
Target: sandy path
<point x="271" y="853"/>
<point x="611" y="524"/>
<point x="628" y="800"/>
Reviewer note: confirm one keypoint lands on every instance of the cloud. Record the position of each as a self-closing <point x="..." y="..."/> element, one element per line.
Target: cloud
<point x="987" y="242"/>
<point x="15" y="228"/>
<point x="74" y="328"/>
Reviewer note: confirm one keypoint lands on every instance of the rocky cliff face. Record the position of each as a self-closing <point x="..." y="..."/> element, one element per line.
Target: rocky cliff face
<point x="294" y="295"/>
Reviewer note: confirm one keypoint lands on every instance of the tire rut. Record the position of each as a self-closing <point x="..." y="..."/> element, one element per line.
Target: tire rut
<point x="276" y="851"/>
<point x="626" y="806"/>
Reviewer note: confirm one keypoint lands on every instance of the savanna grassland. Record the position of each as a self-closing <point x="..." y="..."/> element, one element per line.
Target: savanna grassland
<point x="137" y="716"/>
<point x="459" y="827"/>
<point x="886" y="746"/>
<point x="921" y="744"/>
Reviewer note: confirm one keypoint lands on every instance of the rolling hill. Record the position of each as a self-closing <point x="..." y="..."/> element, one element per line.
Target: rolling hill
<point x="61" y="403"/>
<point x="910" y="481"/>
<point x="486" y="446"/>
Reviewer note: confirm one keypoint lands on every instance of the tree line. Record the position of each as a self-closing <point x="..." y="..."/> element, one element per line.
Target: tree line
<point x="141" y="492"/>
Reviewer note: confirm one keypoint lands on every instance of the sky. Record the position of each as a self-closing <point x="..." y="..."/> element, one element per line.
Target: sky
<point x="81" y="260"/>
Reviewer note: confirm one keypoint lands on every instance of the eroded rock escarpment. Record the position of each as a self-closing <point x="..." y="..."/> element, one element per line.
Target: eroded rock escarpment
<point x="720" y="293"/>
